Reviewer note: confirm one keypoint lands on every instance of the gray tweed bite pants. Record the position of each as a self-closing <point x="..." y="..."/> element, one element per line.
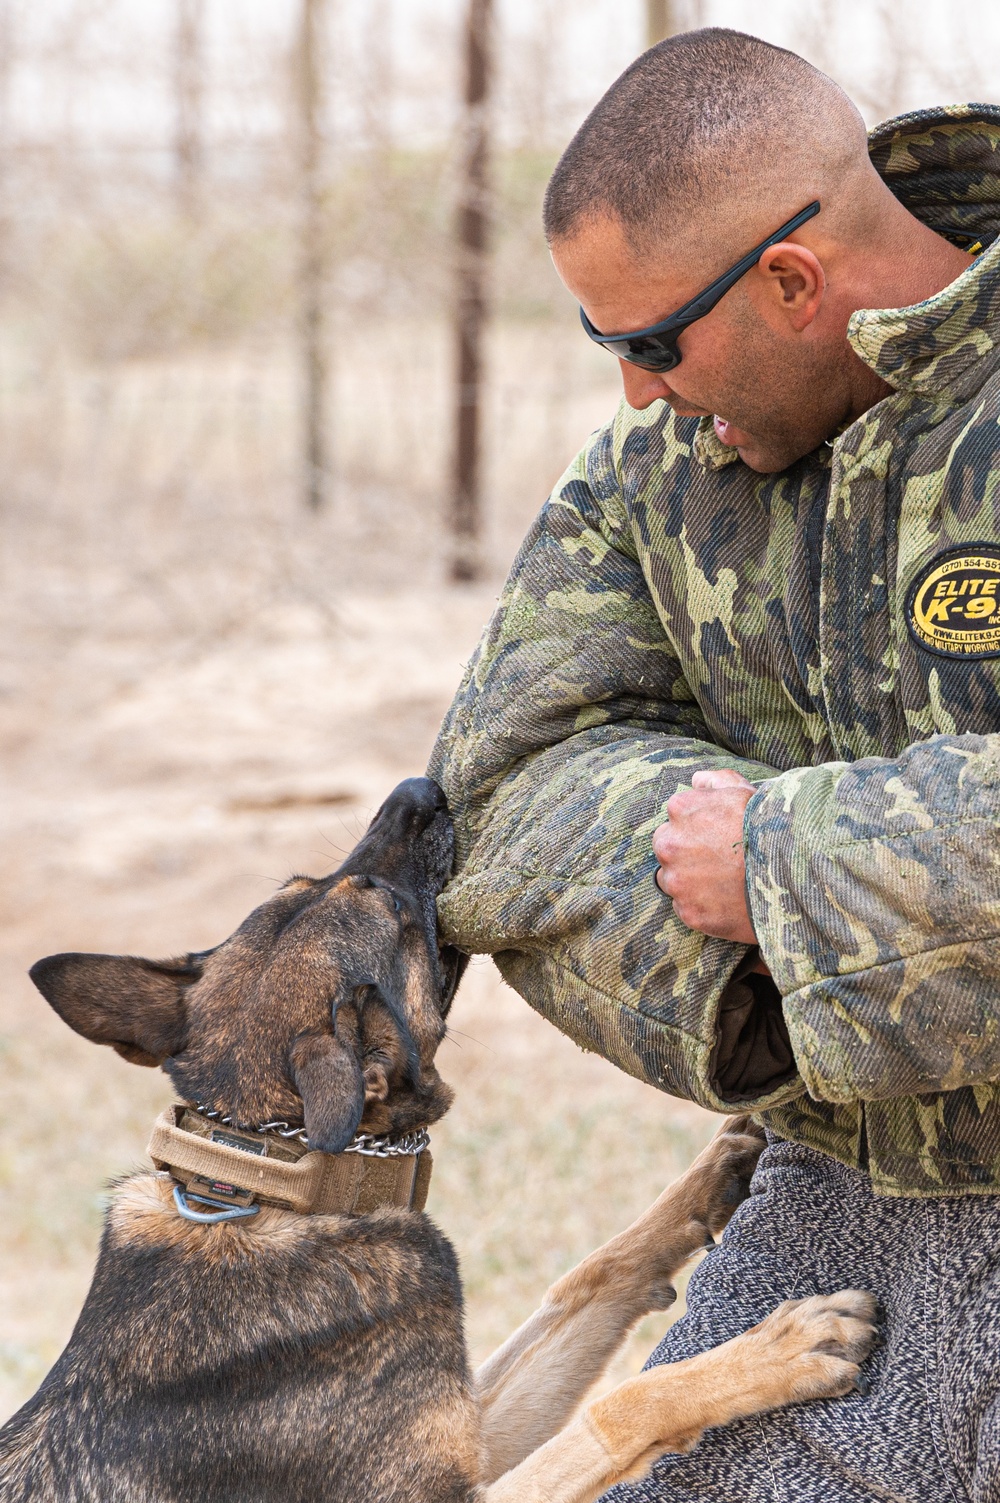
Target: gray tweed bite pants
<point x="928" y="1430"/>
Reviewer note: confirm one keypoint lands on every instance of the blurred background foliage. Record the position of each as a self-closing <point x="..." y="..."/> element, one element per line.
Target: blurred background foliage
<point x="151" y="205"/>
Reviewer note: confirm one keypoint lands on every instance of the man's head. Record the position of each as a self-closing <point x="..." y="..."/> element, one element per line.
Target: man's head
<point x="701" y="150"/>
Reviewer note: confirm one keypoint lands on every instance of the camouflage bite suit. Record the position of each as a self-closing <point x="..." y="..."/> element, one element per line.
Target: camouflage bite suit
<point x="831" y="632"/>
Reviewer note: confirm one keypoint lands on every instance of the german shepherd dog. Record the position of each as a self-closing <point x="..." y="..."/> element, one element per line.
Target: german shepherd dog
<point x="276" y="1351"/>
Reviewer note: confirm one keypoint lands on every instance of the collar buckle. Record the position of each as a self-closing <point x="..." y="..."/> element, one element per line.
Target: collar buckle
<point x="221" y="1212"/>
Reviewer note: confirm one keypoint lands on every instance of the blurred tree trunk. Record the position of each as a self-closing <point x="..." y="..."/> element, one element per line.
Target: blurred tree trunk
<point x="473" y="234"/>
<point x="312" y="255"/>
<point x="661" y="21"/>
<point x="8" y="42"/>
<point x="189" y="145"/>
<point x="378" y="82"/>
<point x="6" y="64"/>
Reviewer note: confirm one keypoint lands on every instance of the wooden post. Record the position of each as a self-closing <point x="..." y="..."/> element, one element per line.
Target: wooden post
<point x="661" y="22"/>
<point x="189" y="91"/>
<point x="473" y="234"/>
<point x="312" y="256"/>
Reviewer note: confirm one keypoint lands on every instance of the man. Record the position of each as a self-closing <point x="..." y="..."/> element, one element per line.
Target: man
<point x="765" y="601"/>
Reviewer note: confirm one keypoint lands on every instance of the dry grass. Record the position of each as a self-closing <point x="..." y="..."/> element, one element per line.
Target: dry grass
<point x="201" y="690"/>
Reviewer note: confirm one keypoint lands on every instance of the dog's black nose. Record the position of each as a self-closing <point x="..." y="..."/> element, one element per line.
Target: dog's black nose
<point x="409" y="842"/>
<point x="417" y="801"/>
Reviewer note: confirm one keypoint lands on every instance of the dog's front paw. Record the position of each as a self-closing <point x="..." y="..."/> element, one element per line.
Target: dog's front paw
<point x="813" y="1348"/>
<point x="719" y="1179"/>
<point x="644" y="1259"/>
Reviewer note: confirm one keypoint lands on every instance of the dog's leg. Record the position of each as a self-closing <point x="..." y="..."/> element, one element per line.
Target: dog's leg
<point x="532" y="1384"/>
<point x="806" y="1349"/>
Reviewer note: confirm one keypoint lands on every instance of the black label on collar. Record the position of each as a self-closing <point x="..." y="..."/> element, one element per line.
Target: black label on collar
<point x="237" y="1140"/>
<point x="953" y="605"/>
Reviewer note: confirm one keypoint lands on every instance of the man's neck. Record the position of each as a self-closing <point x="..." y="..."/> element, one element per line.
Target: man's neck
<point x="912" y="263"/>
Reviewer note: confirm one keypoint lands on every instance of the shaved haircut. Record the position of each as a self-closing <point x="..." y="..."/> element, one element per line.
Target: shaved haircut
<point x="704" y="119"/>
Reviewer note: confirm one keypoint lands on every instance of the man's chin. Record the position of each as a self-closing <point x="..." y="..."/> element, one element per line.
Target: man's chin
<point x="765" y="463"/>
<point x="766" y="458"/>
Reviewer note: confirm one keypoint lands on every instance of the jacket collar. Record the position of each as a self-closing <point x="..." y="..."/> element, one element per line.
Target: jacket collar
<point x="944" y="165"/>
<point x="946" y="347"/>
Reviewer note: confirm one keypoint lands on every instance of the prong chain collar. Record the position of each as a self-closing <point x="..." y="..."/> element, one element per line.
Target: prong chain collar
<point x="366" y="1143"/>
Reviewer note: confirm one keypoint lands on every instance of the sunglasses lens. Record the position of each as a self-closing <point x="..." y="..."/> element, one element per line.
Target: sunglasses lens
<point x="664" y="359"/>
<point x="654" y="353"/>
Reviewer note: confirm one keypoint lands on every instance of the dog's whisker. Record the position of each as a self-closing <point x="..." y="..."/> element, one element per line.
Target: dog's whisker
<point x="452" y="1034"/>
<point x="325" y="855"/>
<point x="338" y="850"/>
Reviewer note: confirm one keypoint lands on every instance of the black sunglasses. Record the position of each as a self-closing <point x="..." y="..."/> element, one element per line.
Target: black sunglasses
<point x="655" y="348"/>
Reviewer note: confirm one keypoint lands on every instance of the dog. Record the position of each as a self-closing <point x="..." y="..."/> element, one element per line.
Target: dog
<point x="273" y="1318"/>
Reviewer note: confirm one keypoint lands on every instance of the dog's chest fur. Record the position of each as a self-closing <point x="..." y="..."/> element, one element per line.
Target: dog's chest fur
<point x="287" y="1360"/>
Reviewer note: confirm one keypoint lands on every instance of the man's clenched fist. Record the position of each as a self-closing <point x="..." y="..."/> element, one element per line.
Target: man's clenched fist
<point x="700" y="852"/>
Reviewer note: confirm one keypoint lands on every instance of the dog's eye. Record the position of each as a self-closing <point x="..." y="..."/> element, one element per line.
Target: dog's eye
<point x="397" y="904"/>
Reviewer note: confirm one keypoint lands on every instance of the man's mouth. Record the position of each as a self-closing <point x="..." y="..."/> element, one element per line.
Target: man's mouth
<point x="728" y="433"/>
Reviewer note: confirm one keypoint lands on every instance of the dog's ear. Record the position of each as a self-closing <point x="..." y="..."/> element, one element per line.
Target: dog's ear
<point x="328" y="1077"/>
<point x="136" y="1006"/>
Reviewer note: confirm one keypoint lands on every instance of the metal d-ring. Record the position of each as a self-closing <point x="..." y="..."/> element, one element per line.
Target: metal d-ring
<point x="209" y="1218"/>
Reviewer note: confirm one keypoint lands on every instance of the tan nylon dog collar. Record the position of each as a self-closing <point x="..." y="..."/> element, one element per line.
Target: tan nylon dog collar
<point x="238" y="1167"/>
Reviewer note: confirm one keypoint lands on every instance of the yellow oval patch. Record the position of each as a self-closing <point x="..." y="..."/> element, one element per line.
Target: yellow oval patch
<point x="953" y="606"/>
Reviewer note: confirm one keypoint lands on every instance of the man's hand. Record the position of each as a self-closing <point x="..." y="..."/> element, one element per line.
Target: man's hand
<point x="700" y="853"/>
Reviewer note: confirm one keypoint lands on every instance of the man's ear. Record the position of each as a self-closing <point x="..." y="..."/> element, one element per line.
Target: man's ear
<point x="796" y="280"/>
<point x="328" y="1077"/>
<point x="136" y="1006"/>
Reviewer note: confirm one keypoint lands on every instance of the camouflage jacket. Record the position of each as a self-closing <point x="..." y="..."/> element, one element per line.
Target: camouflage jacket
<point x="833" y="632"/>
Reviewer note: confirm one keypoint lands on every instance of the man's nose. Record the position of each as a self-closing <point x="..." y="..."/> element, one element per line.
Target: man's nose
<point x="643" y="388"/>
